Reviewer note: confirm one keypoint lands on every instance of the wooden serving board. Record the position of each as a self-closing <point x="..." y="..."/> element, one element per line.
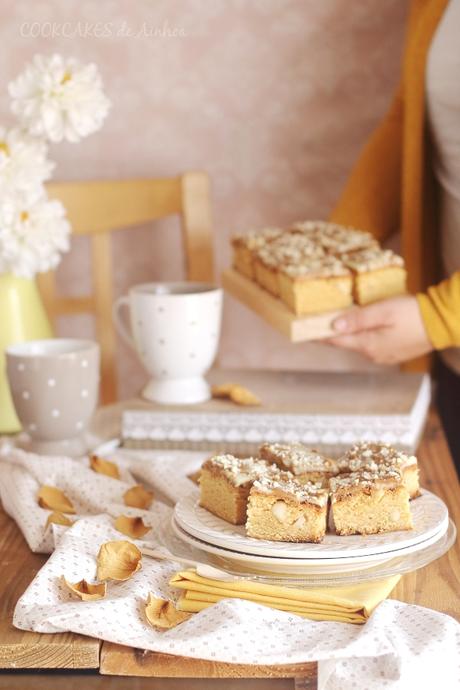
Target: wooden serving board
<point x="276" y="313"/>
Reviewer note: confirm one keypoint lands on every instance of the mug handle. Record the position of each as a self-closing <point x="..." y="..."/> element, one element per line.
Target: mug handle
<point x="120" y="326"/>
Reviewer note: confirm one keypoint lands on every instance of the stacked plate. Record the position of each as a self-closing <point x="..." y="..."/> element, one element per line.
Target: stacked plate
<point x="336" y="560"/>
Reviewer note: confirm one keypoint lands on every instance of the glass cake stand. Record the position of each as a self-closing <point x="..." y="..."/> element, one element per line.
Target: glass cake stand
<point x="397" y="563"/>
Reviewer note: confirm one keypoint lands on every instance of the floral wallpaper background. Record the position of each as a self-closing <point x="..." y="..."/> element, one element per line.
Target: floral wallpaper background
<point x="273" y="98"/>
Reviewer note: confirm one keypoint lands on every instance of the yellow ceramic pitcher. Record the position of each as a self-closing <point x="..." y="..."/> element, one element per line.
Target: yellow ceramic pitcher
<point x="22" y="317"/>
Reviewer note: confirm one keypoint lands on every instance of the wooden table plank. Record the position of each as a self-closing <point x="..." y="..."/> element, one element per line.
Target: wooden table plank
<point x="126" y="661"/>
<point x="20" y="648"/>
<point x="436" y="586"/>
<point x="78" y="680"/>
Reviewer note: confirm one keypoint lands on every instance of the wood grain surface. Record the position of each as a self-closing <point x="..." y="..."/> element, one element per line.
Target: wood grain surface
<point x="22" y="649"/>
<point x="438" y="585"/>
<point x="125" y="661"/>
<point x="84" y="680"/>
<point x="275" y="312"/>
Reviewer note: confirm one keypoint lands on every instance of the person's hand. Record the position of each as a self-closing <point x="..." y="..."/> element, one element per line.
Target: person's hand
<point x="388" y="332"/>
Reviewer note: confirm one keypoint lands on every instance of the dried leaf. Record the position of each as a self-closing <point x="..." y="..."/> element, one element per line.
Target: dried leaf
<point x="243" y="396"/>
<point x="85" y="590"/>
<point x="195" y="477"/>
<point x="101" y="466"/>
<point x="236" y="393"/>
<point x="118" y="560"/>
<point x="54" y="499"/>
<point x="133" y="527"/>
<point x="138" y="497"/>
<point x="162" y="613"/>
<point x="222" y="390"/>
<point x="56" y="518"/>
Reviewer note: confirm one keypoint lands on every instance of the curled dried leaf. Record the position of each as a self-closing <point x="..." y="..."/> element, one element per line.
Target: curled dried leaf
<point x="85" y="590"/>
<point x="133" y="527"/>
<point x="162" y="613"/>
<point x="138" y="497"/>
<point x="118" y="560"/>
<point x="243" y="396"/>
<point x="101" y="466"/>
<point x="54" y="499"/>
<point x="236" y="393"/>
<point x="222" y="390"/>
<point x="57" y="518"/>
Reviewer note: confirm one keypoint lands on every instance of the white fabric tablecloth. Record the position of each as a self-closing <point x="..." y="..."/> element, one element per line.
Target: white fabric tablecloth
<point x="400" y="647"/>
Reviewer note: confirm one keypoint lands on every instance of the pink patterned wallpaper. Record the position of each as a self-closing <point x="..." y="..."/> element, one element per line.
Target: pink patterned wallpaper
<point x="274" y="98"/>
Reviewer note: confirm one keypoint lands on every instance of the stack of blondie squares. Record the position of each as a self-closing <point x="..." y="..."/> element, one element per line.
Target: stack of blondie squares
<point x="293" y="493"/>
<point x="315" y="266"/>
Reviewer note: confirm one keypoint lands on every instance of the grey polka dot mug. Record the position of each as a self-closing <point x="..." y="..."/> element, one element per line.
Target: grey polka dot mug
<point x="55" y="388"/>
<point x="175" y="329"/>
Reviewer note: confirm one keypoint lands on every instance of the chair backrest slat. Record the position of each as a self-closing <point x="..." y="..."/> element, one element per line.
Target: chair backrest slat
<point x="96" y="208"/>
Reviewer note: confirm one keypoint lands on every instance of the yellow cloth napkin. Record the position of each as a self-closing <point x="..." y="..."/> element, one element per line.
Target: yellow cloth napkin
<point x="350" y="604"/>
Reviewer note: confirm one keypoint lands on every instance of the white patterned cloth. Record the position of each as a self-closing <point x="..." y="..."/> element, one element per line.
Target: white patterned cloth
<point x="22" y="474"/>
<point x="400" y="647"/>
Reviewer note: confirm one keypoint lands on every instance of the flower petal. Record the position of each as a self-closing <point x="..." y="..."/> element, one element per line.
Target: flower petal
<point x="138" y="497"/>
<point x="85" y="590"/>
<point x="54" y="499"/>
<point x="162" y="613"/>
<point x="118" y="560"/>
<point x="133" y="527"/>
<point x="102" y="466"/>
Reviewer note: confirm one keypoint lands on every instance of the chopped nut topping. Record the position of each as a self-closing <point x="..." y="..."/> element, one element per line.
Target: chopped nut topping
<point x="324" y="267"/>
<point x="371" y="259"/>
<point x="383" y="475"/>
<point x="298" y="458"/>
<point x="369" y="456"/>
<point x="285" y="483"/>
<point x="239" y="471"/>
<point x="254" y="239"/>
<point x="289" y="249"/>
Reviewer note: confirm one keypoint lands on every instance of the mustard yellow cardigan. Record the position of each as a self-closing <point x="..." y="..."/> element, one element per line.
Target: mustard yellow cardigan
<point x="392" y="187"/>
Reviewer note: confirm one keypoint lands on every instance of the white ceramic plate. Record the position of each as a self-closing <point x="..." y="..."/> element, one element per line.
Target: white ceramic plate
<point x="250" y="567"/>
<point x="429" y="515"/>
<point x="304" y="565"/>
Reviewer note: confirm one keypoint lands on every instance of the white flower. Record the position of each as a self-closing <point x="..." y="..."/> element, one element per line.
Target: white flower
<point x="59" y="99"/>
<point x="24" y="166"/>
<point x="33" y="237"/>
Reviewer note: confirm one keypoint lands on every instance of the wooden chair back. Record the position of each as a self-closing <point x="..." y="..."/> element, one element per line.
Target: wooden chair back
<point x="95" y="208"/>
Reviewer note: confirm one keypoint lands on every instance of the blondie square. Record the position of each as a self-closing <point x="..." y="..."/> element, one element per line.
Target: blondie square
<point x="338" y="239"/>
<point x="305" y="464"/>
<point x="319" y="285"/>
<point x="287" y="249"/>
<point x="225" y="482"/>
<point x="281" y="509"/>
<point x="368" y="456"/>
<point x="369" y="502"/>
<point x="245" y="246"/>
<point x="377" y="274"/>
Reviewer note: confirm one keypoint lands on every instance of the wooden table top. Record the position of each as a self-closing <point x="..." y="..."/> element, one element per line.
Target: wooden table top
<point x="435" y="586"/>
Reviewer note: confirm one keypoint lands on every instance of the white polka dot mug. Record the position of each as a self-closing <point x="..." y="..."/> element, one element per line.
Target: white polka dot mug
<point x="175" y="330"/>
<point x="55" y="389"/>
